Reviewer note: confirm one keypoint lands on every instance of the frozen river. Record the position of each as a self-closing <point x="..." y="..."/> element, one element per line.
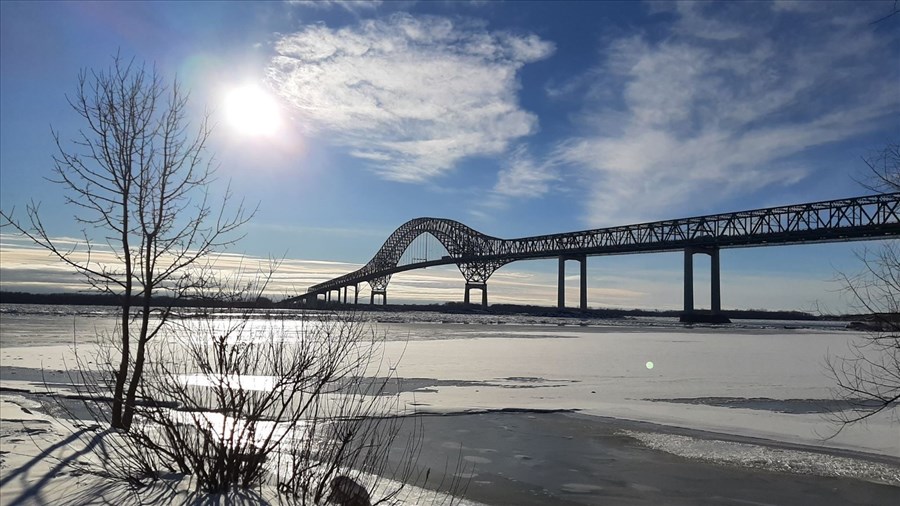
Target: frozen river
<point x="749" y="379"/>
<point x="761" y="382"/>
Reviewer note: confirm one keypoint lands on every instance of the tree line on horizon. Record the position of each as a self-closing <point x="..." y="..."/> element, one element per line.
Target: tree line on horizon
<point x="262" y="302"/>
<point x="105" y="299"/>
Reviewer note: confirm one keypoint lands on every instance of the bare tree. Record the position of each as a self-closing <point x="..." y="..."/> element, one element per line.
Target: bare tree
<point x="137" y="176"/>
<point x="868" y="377"/>
<point x="302" y="404"/>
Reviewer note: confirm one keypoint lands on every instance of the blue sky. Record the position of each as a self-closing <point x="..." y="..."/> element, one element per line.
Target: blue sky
<point x="515" y="118"/>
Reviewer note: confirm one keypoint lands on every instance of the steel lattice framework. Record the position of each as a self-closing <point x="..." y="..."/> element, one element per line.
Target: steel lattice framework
<point x="478" y="255"/>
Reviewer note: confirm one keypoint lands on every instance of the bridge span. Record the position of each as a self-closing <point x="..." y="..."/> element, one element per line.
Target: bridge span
<point x="478" y="255"/>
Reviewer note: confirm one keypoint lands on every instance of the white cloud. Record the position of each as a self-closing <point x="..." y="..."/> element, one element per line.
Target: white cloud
<point x="412" y="96"/>
<point x="725" y="104"/>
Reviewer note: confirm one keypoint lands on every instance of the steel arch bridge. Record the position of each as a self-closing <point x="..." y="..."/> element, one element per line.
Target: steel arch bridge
<point x="478" y="255"/>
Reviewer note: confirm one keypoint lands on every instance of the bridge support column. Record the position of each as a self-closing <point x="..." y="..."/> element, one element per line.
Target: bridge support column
<point x="561" y="294"/>
<point x="583" y="286"/>
<point x="688" y="282"/>
<point x="355" y="294"/>
<point x="477" y="286"/>
<point x="561" y="284"/>
<point x="715" y="296"/>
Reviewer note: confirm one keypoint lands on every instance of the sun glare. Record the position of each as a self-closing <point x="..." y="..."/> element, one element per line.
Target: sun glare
<point x="252" y="111"/>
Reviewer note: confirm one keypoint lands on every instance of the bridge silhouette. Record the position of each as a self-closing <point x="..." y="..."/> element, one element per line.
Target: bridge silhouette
<point x="478" y="255"/>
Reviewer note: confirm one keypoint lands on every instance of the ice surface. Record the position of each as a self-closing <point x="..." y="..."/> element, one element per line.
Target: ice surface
<point x="466" y="362"/>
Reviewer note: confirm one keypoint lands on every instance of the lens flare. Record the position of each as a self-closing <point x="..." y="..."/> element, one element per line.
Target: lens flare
<point x="252" y="111"/>
<point x="649" y="365"/>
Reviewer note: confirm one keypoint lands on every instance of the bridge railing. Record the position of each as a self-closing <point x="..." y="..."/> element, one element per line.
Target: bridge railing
<point x="844" y="219"/>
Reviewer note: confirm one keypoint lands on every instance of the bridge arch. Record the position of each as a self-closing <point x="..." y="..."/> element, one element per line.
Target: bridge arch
<point x="477" y="256"/>
<point x="457" y="238"/>
<point x="460" y="241"/>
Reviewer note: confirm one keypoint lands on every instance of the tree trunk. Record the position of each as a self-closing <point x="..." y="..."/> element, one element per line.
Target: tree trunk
<point x="122" y="373"/>
<point x="139" y="359"/>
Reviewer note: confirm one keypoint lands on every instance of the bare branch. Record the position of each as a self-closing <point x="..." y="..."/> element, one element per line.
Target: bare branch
<point x="867" y="376"/>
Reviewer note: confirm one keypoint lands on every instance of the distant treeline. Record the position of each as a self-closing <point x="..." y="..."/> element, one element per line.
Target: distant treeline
<point x="94" y="299"/>
<point x="550" y="312"/>
<point x="88" y="299"/>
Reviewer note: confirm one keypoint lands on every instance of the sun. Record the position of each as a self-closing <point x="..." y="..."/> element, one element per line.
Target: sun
<point x="252" y="111"/>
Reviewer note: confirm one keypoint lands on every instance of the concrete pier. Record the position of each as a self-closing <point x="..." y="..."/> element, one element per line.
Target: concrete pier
<point x="477" y="286"/>
<point x="690" y="315"/>
<point x="561" y="294"/>
<point x="383" y="294"/>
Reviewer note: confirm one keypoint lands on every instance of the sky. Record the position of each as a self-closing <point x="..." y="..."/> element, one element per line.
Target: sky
<point x="343" y="120"/>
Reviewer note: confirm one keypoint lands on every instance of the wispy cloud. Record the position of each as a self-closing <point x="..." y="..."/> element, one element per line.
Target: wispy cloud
<point x="27" y="268"/>
<point x="352" y="6"/>
<point x="522" y="176"/>
<point x="722" y="104"/>
<point x="525" y="177"/>
<point x="411" y="96"/>
<point x="328" y="231"/>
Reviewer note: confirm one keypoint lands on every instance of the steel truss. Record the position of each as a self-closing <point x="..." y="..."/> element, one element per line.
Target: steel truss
<point x="478" y="255"/>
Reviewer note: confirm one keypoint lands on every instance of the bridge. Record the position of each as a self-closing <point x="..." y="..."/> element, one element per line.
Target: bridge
<point x="478" y="255"/>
